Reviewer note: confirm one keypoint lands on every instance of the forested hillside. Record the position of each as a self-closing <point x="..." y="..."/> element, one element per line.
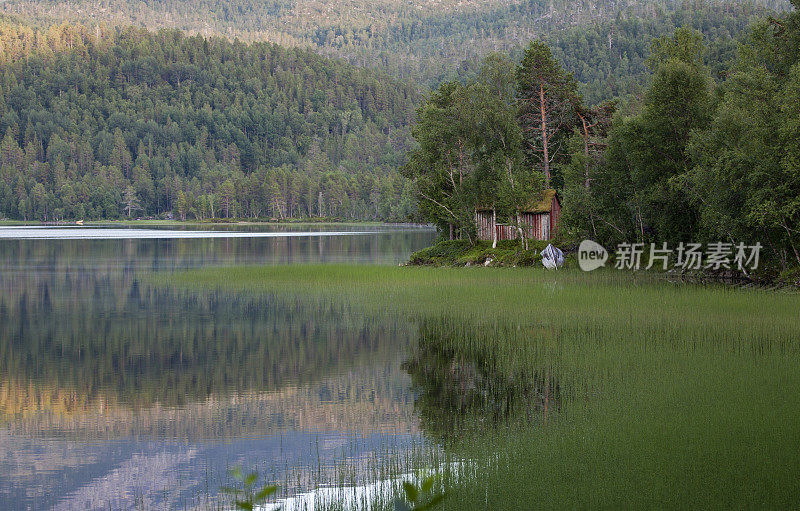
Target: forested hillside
<point x="100" y="119"/>
<point x="605" y="42"/>
<point x="101" y="123"/>
<point x="698" y="159"/>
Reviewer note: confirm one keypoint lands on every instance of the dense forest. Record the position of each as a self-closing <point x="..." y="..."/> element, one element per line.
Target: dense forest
<point x="102" y="123"/>
<point x="695" y="160"/>
<point x="605" y="42"/>
<point x="102" y="120"/>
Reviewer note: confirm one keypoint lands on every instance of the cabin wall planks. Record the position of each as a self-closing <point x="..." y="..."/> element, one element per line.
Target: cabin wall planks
<point x="539" y="223"/>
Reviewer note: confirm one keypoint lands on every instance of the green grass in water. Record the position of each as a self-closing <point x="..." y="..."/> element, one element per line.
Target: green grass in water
<point x="650" y="394"/>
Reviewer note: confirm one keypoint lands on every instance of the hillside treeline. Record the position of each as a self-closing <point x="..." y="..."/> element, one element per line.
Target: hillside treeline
<point x="103" y="123"/>
<point x="604" y="42"/>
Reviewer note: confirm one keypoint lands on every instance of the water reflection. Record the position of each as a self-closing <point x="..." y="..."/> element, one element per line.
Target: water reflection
<point x="115" y="393"/>
<point x="100" y="233"/>
<point x="385" y="246"/>
<point x="139" y="346"/>
<point x="457" y="390"/>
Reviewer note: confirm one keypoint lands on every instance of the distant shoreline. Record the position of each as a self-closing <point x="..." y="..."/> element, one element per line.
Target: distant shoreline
<point x="177" y="223"/>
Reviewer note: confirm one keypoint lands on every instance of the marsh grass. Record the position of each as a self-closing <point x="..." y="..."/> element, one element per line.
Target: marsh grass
<point x="351" y="482"/>
<point x="650" y="393"/>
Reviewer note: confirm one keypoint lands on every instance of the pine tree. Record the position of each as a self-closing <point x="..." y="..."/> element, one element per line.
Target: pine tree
<point x="547" y="97"/>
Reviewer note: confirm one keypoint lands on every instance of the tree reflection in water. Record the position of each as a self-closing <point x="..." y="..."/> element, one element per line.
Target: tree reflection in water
<point x="120" y="391"/>
<point x="457" y="390"/>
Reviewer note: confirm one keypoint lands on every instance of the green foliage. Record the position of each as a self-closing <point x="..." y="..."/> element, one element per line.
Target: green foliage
<point x="442" y="168"/>
<point x="93" y="110"/>
<point x="478" y="142"/>
<point x="419" y="497"/>
<point x="685" y="45"/>
<point x="101" y="123"/>
<point x="635" y="191"/>
<point x="442" y="253"/>
<point x="654" y="151"/>
<point x="106" y="123"/>
<point x="604" y="44"/>
<point x="505" y="181"/>
<point x="470" y="151"/>
<point x="247" y="496"/>
<point x="461" y="253"/>
<point x="702" y="164"/>
<point x="747" y="173"/>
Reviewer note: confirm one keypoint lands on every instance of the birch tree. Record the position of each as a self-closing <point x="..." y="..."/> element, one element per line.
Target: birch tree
<point x="746" y="179"/>
<point x="507" y="183"/>
<point x="442" y="168"/>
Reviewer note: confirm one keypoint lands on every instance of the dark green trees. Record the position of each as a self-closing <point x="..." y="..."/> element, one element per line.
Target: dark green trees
<point x="702" y="161"/>
<point x="604" y="43"/>
<point x="654" y="151"/>
<point x="639" y="192"/>
<point x="747" y="174"/>
<point x="443" y="167"/>
<point x="126" y="122"/>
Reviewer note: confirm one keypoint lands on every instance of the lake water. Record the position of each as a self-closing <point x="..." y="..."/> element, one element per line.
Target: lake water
<point x="117" y="394"/>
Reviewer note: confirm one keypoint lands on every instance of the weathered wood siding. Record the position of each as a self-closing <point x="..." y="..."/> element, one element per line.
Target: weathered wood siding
<point x="506" y="232"/>
<point x="485" y="223"/>
<point x="537" y="226"/>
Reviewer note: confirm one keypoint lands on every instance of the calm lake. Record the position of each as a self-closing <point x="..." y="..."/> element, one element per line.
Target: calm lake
<point x="118" y="394"/>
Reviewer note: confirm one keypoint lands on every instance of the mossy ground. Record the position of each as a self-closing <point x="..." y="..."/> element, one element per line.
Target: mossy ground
<point x="463" y="253"/>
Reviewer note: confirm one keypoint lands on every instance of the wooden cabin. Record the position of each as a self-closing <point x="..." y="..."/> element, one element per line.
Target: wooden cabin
<point x="539" y="220"/>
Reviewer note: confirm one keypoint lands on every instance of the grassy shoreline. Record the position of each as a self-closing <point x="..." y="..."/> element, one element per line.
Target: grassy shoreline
<point x="511" y="254"/>
<point x="656" y="394"/>
<point x="463" y="253"/>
